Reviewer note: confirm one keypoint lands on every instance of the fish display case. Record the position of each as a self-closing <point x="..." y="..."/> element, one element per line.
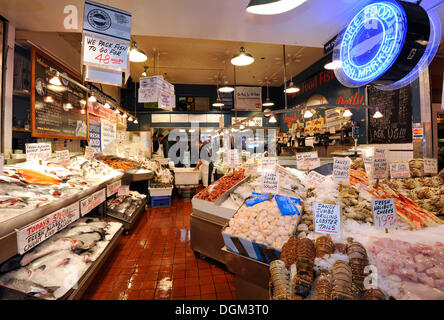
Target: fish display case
<point x="126" y="209"/>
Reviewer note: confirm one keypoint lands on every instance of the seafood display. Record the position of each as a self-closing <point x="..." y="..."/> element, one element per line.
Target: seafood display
<point x="305" y="256"/>
<point x="322" y="288"/>
<point x="263" y="223"/>
<point x="125" y="206"/>
<point x="341" y="281"/>
<point x="118" y="163"/>
<point x="216" y="189"/>
<point x="358" y="261"/>
<point x="280" y="279"/>
<point x="55" y="266"/>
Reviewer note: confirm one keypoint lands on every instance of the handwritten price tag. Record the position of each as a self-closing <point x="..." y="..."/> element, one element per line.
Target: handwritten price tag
<point x="314" y="179"/>
<point x="399" y="170"/>
<point x="123" y="190"/>
<point x="341" y="169"/>
<point x="270" y="182"/>
<point x="307" y="160"/>
<point x="62" y="156"/>
<point x="384" y="213"/>
<point x="379" y="164"/>
<point x="38" y="151"/>
<point x="269" y="164"/>
<point x="106" y="53"/>
<point x="327" y="218"/>
<point x="430" y="166"/>
<point x="251" y="168"/>
<point x="89" y="152"/>
<point x="233" y="158"/>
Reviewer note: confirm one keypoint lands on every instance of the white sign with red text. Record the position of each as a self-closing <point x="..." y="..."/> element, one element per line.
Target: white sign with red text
<point x="94" y="200"/>
<point x="105" y="53"/>
<point x="62" y="156"/>
<point x="38" y="151"/>
<point x="384" y="213"/>
<point x="327" y="218"/>
<point x="430" y="165"/>
<point x="399" y="170"/>
<point x="112" y="188"/>
<point x="124" y="190"/>
<point x="307" y="160"/>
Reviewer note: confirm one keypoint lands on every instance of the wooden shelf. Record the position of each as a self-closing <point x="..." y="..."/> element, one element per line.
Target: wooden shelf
<point x="21" y="130"/>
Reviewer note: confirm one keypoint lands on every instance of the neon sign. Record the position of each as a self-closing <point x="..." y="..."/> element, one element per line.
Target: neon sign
<point x="388" y="44"/>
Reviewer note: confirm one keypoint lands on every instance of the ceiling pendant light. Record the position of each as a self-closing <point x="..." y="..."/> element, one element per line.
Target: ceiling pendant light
<point x="267" y="7"/>
<point x="55" y="80"/>
<point x="347" y="113"/>
<point x="308" y="114"/>
<point x="268" y="102"/>
<point x="333" y="65"/>
<point x="144" y="72"/>
<point x="107" y="106"/>
<point x="243" y="58"/>
<point x="242" y="127"/>
<point x="92" y="99"/>
<point x="136" y="54"/>
<point x="48" y="99"/>
<point x="125" y="116"/>
<point x="292" y="88"/>
<point x="135" y="121"/>
<point x="117" y="111"/>
<point x="377" y="114"/>
<point x="218" y="103"/>
<point x="226" y="88"/>
<point x="130" y="119"/>
<point x="272" y="119"/>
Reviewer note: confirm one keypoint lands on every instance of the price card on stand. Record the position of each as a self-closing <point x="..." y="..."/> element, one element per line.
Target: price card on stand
<point x="251" y="169"/>
<point x="123" y="190"/>
<point x="314" y="179"/>
<point x="384" y="213"/>
<point x="38" y="151"/>
<point x="112" y="188"/>
<point x="379" y="164"/>
<point x="327" y="218"/>
<point x="62" y="156"/>
<point x="94" y="200"/>
<point x="269" y="164"/>
<point x="270" y="182"/>
<point x="233" y="158"/>
<point x="341" y="169"/>
<point x="399" y="170"/>
<point x="89" y="152"/>
<point x="430" y="166"/>
<point x="307" y="160"/>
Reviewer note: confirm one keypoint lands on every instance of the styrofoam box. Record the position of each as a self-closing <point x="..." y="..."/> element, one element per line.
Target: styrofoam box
<point x="184" y="176"/>
<point x="160" y="192"/>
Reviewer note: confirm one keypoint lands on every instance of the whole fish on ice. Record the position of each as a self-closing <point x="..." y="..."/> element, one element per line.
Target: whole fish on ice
<point x="29" y="287"/>
<point x="48" y="262"/>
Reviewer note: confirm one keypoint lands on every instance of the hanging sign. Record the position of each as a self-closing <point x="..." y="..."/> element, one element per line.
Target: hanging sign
<point x="38" y="151"/>
<point x="123" y="190"/>
<point x="270" y="182"/>
<point x="327" y="218"/>
<point x="34" y="234"/>
<point x="104" y="53"/>
<point x="95" y="134"/>
<point x="248" y="98"/>
<point x="94" y="200"/>
<point x="103" y="20"/>
<point x="379" y="164"/>
<point x="314" y="179"/>
<point x="384" y="213"/>
<point x="112" y="188"/>
<point x="341" y="169"/>
<point x="430" y="166"/>
<point x="62" y="156"/>
<point x="307" y="160"/>
<point x="399" y="170"/>
<point x="107" y="132"/>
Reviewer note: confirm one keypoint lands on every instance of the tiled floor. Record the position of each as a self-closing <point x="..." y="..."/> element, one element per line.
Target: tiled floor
<point x="155" y="261"/>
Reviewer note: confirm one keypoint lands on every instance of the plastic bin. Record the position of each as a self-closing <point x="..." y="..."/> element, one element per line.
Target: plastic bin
<point x="186" y="176"/>
<point x="160" y="192"/>
<point x="160" y="202"/>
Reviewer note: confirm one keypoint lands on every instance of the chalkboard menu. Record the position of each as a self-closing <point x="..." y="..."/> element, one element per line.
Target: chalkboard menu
<point x="396" y="125"/>
<point x="57" y="111"/>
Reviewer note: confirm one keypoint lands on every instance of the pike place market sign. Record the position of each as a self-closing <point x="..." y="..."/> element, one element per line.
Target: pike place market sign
<point x="386" y="44"/>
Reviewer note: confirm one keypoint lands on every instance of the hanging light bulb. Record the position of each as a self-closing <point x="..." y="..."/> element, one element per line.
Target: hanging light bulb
<point x="144" y="72"/>
<point x="243" y="58"/>
<point x="135" y="121"/>
<point x="268" y="103"/>
<point x="136" y="54"/>
<point x="226" y="89"/>
<point x="107" y="106"/>
<point x="242" y="127"/>
<point x="267" y="112"/>
<point x="272" y="119"/>
<point x="83" y="102"/>
<point x="92" y="99"/>
<point x="308" y="114"/>
<point x="347" y="113"/>
<point x="117" y="111"/>
<point x="218" y="103"/>
<point x="55" y="80"/>
<point x="377" y="114"/>
<point x="130" y="119"/>
<point x="333" y="65"/>
<point x="292" y="88"/>
<point x="48" y="99"/>
<point x="252" y="123"/>
<point x="82" y="111"/>
<point x="125" y="115"/>
<point x="267" y="7"/>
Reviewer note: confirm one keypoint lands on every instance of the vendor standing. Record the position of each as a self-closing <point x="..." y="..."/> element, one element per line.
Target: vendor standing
<point x="160" y="145"/>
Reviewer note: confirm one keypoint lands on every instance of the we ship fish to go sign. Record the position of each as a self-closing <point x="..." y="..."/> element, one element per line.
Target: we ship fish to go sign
<point x="341" y="169"/>
<point x="384" y="213"/>
<point x="46" y="227"/>
<point x="112" y="188"/>
<point x="327" y="218"/>
<point x="94" y="200"/>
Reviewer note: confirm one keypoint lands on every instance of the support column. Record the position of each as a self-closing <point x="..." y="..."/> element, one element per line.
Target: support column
<point x="426" y="114"/>
<point x="8" y="87"/>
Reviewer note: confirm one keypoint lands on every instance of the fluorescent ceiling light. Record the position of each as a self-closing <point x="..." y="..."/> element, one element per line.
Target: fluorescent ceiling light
<point x="347" y="113"/>
<point x="226" y="89"/>
<point x="268" y="103"/>
<point x="268" y="7"/>
<point x="308" y="114"/>
<point x="242" y="59"/>
<point x="136" y="54"/>
<point x="377" y="114"/>
<point x="292" y="88"/>
<point x="55" y="81"/>
<point x="333" y="65"/>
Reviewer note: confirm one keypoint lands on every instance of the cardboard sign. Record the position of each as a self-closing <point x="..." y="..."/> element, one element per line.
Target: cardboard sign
<point x="314" y="179"/>
<point x="113" y="188"/>
<point x="379" y="164"/>
<point x="89" y="203"/>
<point x="399" y="170"/>
<point x="327" y="218"/>
<point x="34" y="234"/>
<point x="269" y="164"/>
<point x="430" y="166"/>
<point x="124" y="190"/>
<point x="38" y="151"/>
<point x="270" y="182"/>
<point x="341" y="169"/>
<point x="307" y="160"/>
<point x="99" y="52"/>
<point x="62" y="156"/>
<point x="384" y="213"/>
<point x="251" y="169"/>
<point x="89" y="152"/>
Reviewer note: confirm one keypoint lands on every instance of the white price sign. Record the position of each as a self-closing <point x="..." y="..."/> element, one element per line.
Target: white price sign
<point x="99" y="52"/>
<point x="430" y="166"/>
<point x="327" y="218"/>
<point x="269" y="164"/>
<point x="62" y="156"/>
<point x="38" y="151"/>
<point x="89" y="152"/>
<point x="307" y="160"/>
<point x="46" y="227"/>
<point x="233" y="158"/>
<point x="341" y="169"/>
<point x="89" y="203"/>
<point x="124" y="190"/>
<point x="379" y="164"/>
<point x="314" y="179"/>
<point x="384" y="213"/>
<point x="251" y="169"/>
<point x="270" y="182"/>
<point x="399" y="170"/>
<point x="112" y="188"/>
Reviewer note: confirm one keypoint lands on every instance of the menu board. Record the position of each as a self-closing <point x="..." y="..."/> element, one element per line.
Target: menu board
<point x="396" y="124"/>
<point x="62" y="117"/>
